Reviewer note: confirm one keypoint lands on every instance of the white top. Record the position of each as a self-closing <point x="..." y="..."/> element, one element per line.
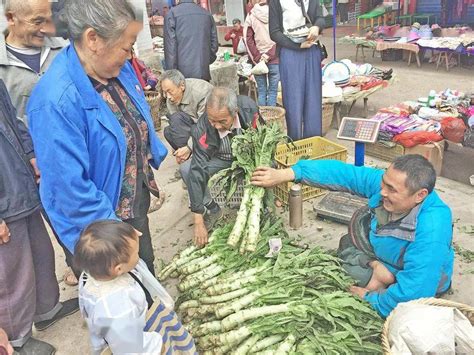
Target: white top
<point x="115" y="312"/>
<point x="292" y="14"/>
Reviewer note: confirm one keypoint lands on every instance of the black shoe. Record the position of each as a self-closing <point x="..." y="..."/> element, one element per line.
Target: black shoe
<point x="35" y="347"/>
<point x="212" y="216"/>
<point x="69" y="307"/>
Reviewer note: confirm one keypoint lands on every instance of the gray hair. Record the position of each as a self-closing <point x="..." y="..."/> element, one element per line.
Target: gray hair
<point x="420" y="172"/>
<point x="109" y="18"/>
<point x="173" y="75"/>
<point x="18" y="6"/>
<point x="221" y="97"/>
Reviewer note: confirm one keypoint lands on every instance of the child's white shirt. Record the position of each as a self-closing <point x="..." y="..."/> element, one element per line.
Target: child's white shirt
<point x="115" y="312"/>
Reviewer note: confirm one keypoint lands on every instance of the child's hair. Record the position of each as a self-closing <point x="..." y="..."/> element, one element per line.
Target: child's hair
<point x="102" y="245"/>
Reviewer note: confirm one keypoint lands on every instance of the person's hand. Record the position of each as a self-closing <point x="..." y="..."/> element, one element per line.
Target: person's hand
<point x="267" y="177"/>
<point x="4" y="233"/>
<point x="313" y="34"/>
<point x="264" y="57"/>
<point x="200" y="238"/>
<point x="4" y="342"/>
<point x="147" y="88"/>
<point x="35" y="168"/>
<point x="358" y="291"/>
<point x="182" y="154"/>
<point x="307" y="44"/>
<point x="232" y="35"/>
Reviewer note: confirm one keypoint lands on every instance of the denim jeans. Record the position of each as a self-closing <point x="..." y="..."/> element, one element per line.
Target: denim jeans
<point x="267" y="86"/>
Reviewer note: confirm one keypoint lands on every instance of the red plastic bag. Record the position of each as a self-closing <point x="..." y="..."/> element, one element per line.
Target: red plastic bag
<point x="453" y="129"/>
<point x="411" y="139"/>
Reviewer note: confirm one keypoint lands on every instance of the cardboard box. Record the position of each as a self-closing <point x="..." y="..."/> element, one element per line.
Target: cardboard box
<point x="433" y="152"/>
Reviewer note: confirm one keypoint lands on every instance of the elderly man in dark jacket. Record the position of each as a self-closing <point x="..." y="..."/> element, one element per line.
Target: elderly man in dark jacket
<point x="226" y="116"/>
<point x="29" y="291"/>
<point x="190" y="40"/>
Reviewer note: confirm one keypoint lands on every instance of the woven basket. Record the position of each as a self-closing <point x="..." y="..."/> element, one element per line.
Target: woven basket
<point x="468" y="311"/>
<point x="154" y="99"/>
<point x="272" y="114"/>
<point x="327" y="113"/>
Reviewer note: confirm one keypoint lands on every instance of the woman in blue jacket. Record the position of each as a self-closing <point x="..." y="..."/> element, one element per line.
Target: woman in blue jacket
<point x="91" y="127"/>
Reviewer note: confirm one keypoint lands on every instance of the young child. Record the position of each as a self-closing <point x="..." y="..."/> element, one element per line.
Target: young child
<point x="111" y="301"/>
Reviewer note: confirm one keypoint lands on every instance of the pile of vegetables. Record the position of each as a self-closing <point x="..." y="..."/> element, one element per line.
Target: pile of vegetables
<point x="251" y="149"/>
<point x="293" y="303"/>
<point x="248" y="301"/>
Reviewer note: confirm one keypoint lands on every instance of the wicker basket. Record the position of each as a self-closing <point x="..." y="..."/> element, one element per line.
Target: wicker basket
<point x="327" y="113"/>
<point x="468" y="311"/>
<point x="273" y="113"/>
<point x="270" y="114"/>
<point x="154" y="100"/>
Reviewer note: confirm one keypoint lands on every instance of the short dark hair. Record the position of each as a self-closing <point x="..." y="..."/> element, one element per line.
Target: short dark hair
<point x="420" y="172"/>
<point x="236" y="21"/>
<point x="102" y="245"/>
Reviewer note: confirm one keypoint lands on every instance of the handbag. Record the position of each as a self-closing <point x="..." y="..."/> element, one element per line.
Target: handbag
<point x="260" y="68"/>
<point x="322" y="48"/>
<point x="241" y="49"/>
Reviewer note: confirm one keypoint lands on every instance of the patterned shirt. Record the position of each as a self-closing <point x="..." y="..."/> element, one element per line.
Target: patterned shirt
<point x="135" y="129"/>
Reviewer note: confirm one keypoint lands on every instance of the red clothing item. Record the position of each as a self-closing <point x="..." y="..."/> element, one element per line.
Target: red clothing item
<point x="235" y="41"/>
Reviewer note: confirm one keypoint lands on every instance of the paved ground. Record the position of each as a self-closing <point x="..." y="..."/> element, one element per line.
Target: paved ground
<point x="171" y="226"/>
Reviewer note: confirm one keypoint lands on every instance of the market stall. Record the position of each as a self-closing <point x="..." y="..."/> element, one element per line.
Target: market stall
<point x="422" y="126"/>
<point x="416" y="40"/>
<point x="345" y="83"/>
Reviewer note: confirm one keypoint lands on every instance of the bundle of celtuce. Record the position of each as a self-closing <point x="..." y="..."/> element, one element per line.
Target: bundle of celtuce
<point x="293" y="303"/>
<point x="253" y="148"/>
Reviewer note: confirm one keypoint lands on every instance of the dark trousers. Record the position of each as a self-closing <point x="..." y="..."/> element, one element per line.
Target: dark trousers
<point x="141" y="223"/>
<point x="214" y="165"/>
<point x="343" y="12"/>
<point x="28" y="287"/>
<point x="67" y="253"/>
<point x="300" y="74"/>
<point x="179" y="130"/>
<point x="355" y="261"/>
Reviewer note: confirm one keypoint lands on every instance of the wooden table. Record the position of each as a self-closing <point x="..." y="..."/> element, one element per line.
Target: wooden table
<point x="373" y="15"/>
<point x="412" y="48"/>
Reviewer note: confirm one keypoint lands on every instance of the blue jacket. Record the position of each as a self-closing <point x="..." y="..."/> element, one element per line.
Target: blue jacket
<point x="418" y="251"/>
<point x="18" y="189"/>
<point x="80" y="146"/>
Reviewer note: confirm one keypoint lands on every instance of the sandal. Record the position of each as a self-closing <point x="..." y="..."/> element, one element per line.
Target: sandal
<point x="69" y="278"/>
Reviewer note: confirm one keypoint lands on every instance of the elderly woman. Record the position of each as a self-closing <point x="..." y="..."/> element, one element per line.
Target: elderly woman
<point x="295" y="26"/>
<point x="91" y="127"/>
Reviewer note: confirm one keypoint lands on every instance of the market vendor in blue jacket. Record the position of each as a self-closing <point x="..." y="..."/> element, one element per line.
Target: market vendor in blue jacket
<point x="398" y="249"/>
<point x="92" y="129"/>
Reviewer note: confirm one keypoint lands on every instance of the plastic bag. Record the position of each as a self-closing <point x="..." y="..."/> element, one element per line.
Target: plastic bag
<point x="424" y="329"/>
<point x="153" y="286"/>
<point x="241" y="49"/>
<point x="453" y="129"/>
<point x="260" y="68"/>
<point x="411" y="139"/>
